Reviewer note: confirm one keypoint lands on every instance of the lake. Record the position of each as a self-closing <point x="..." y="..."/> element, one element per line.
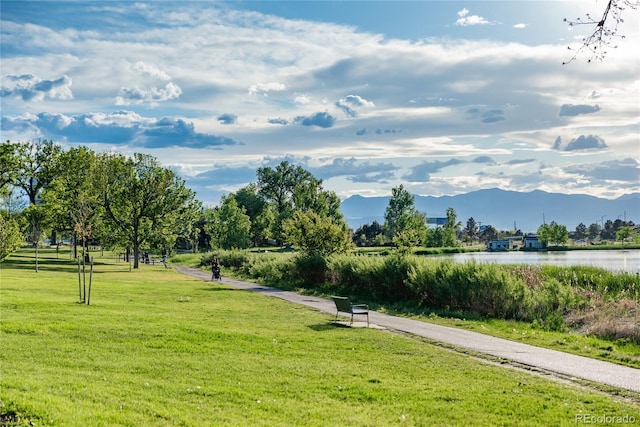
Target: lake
<point x="613" y="260"/>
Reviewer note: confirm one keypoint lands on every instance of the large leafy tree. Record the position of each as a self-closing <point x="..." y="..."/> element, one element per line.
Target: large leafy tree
<point x="256" y="207"/>
<point x="401" y="206"/>
<point x="228" y="225"/>
<point x="8" y="166"/>
<point x="10" y="236"/>
<point x="299" y="201"/>
<point x="72" y="196"/>
<point x="581" y="231"/>
<point x="450" y="228"/>
<point x="608" y="231"/>
<point x="279" y="186"/>
<point x="594" y="231"/>
<point x="411" y="230"/>
<point x="367" y="234"/>
<point x="182" y="225"/>
<point x="553" y="233"/>
<point x="310" y="196"/>
<point x="193" y="233"/>
<point x="624" y="233"/>
<point x="141" y="199"/>
<point x="444" y="236"/>
<point x="489" y="233"/>
<point x="315" y="234"/>
<point x="434" y="237"/>
<point x="38" y="218"/>
<point x="544" y="234"/>
<point x="33" y="166"/>
<point x="37" y="164"/>
<point x="559" y="234"/>
<point x="471" y="229"/>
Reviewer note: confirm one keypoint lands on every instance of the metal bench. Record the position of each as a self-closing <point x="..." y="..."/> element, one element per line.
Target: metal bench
<point x="344" y="305"/>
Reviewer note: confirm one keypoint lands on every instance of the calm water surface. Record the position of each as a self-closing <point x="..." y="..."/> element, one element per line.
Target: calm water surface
<point x="616" y="260"/>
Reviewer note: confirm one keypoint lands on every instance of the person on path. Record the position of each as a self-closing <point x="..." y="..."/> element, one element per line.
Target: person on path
<point x="215" y="269"/>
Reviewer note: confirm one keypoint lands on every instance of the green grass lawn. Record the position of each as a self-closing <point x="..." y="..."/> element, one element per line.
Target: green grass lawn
<point x="159" y="348"/>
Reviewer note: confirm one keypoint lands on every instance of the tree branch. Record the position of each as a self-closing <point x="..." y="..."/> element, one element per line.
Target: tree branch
<point x="605" y="30"/>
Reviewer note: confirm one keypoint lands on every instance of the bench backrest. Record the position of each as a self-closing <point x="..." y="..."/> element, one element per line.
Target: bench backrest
<point x="342" y="304"/>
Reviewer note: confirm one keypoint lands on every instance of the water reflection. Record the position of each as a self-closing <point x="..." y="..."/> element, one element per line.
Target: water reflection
<point x="614" y="260"/>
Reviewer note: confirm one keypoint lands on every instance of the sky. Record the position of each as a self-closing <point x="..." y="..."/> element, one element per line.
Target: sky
<point x="443" y="97"/>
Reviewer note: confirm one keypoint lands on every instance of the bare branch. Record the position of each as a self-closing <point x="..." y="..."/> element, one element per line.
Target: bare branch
<point x="605" y="30"/>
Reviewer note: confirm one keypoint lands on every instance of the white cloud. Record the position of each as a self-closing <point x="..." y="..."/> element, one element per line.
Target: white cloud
<point x="29" y="87"/>
<point x="302" y="99"/>
<point x="357" y="101"/>
<point x="472" y="20"/>
<point x="154" y="95"/>
<point x="264" y="88"/>
<point x="520" y="25"/>
<point x="465" y="19"/>
<point x="150" y="70"/>
<point x="352" y="103"/>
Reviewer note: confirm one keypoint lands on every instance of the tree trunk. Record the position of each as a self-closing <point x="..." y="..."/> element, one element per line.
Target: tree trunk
<point x="136" y="249"/>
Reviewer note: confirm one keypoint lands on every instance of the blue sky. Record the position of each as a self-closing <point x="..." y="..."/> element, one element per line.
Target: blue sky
<point x="444" y="97"/>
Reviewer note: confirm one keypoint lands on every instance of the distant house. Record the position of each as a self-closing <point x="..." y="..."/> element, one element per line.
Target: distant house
<point x="531" y="242"/>
<point x="499" y="245"/>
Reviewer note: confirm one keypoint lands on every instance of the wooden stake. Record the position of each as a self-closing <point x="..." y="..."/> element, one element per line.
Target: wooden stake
<point x="79" y="284"/>
<point x="90" y="281"/>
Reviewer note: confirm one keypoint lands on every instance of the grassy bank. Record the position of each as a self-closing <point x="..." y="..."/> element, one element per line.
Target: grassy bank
<point x="159" y="348"/>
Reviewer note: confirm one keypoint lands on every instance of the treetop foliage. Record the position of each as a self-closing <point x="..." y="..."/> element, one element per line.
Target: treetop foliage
<point x="317" y="235"/>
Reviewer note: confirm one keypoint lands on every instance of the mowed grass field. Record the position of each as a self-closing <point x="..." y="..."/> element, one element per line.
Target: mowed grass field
<point x="159" y="348"/>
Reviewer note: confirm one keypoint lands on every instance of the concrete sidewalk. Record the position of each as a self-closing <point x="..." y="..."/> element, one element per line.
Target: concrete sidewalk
<point x="552" y="361"/>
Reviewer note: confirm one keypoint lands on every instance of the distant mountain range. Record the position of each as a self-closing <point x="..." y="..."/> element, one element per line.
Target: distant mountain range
<point x="504" y="209"/>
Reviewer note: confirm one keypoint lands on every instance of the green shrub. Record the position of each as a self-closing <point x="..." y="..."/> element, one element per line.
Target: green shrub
<point x="606" y="283"/>
<point x="375" y="278"/>
<point x="234" y="258"/>
<point x="485" y="289"/>
<point x="551" y="301"/>
<point x="553" y="322"/>
<point x="273" y="269"/>
<point x="310" y="269"/>
<point x="391" y="279"/>
<point x="353" y="272"/>
<point x="205" y="259"/>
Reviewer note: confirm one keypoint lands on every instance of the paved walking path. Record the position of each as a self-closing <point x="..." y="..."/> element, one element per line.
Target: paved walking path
<point x="553" y="361"/>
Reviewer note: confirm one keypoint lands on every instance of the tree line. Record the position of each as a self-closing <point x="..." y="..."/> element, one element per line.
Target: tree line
<point x="133" y="203"/>
<point x="405" y="226"/>
<point x="124" y="202"/>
